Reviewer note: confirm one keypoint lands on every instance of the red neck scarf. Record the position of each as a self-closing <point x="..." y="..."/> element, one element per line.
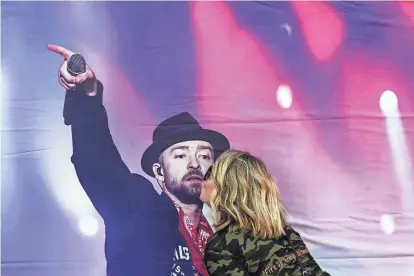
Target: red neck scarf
<point x="196" y="239"/>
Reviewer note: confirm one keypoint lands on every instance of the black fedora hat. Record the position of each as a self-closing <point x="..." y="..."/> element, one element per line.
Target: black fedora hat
<point x="180" y="128"/>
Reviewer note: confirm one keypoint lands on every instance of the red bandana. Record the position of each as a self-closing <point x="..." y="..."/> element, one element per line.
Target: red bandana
<point x="196" y="239"/>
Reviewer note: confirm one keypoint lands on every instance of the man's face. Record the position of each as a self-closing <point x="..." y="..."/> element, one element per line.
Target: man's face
<point x="184" y="165"/>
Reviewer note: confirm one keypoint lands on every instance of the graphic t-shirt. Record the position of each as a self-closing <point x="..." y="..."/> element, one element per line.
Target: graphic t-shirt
<point x="193" y="249"/>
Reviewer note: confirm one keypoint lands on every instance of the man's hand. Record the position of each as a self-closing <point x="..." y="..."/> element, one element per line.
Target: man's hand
<point x="86" y="80"/>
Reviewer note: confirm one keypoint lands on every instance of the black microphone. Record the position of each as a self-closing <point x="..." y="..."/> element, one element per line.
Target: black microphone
<point x="76" y="65"/>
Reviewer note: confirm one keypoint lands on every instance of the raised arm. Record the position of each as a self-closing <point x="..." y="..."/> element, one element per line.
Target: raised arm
<point x="98" y="164"/>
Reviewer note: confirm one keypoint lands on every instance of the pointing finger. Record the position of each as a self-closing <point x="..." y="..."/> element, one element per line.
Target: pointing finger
<point x="65" y="53"/>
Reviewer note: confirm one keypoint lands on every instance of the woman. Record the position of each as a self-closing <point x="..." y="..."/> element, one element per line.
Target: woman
<point x="253" y="236"/>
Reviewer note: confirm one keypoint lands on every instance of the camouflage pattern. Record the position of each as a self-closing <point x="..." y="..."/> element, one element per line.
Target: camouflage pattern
<point x="241" y="254"/>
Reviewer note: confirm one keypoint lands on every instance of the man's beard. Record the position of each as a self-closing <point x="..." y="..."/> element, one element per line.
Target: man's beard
<point x="188" y="193"/>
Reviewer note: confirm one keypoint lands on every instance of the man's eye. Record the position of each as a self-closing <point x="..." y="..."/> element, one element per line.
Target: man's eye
<point x="206" y="157"/>
<point x="180" y="156"/>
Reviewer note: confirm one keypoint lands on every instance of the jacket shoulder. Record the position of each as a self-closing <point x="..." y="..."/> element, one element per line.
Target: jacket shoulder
<point x="143" y="186"/>
<point x="149" y="199"/>
<point x="224" y="240"/>
<point x="223" y="255"/>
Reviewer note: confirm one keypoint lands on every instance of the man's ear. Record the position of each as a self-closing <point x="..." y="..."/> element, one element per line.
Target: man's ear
<point x="158" y="172"/>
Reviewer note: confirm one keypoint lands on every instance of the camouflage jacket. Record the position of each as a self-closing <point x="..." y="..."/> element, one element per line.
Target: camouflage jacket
<point x="241" y="254"/>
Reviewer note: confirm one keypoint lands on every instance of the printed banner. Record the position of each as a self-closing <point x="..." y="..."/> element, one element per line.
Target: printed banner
<point x="103" y="177"/>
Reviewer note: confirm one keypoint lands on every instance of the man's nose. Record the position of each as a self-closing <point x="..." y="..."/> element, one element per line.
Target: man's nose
<point x="194" y="164"/>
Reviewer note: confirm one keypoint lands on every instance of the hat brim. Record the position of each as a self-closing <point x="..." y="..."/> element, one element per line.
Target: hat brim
<point x="151" y="155"/>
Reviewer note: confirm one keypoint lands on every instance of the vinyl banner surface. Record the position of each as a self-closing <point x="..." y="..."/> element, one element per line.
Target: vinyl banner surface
<point x="99" y="178"/>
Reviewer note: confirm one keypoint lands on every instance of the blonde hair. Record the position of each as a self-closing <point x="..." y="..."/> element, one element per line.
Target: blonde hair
<point x="246" y="197"/>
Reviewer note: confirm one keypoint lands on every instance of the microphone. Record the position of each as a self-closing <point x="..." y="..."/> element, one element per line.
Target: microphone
<point x="76" y="65"/>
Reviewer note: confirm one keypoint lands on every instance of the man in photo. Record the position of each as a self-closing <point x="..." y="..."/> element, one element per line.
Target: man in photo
<point x="146" y="233"/>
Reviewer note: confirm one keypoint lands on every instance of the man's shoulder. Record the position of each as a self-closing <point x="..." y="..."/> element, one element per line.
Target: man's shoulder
<point x="143" y="185"/>
<point x="146" y="193"/>
<point x="154" y="208"/>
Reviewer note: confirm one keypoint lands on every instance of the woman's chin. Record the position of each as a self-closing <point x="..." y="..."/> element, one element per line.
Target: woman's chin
<point x="205" y="201"/>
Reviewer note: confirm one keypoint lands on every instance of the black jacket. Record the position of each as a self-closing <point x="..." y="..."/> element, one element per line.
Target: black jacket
<point x="141" y="226"/>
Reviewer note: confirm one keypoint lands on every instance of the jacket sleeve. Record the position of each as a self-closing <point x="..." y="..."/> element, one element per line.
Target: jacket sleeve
<point x="221" y="260"/>
<point x="311" y="266"/>
<point x="98" y="164"/>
